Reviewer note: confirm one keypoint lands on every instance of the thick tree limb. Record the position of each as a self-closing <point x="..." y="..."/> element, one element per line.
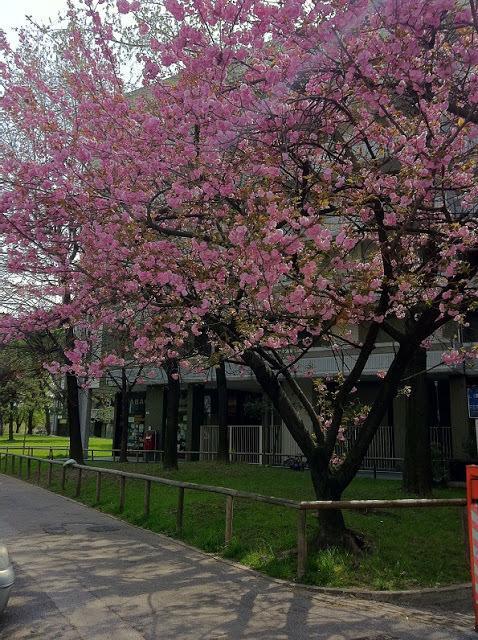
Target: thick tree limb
<point x="281" y="402"/>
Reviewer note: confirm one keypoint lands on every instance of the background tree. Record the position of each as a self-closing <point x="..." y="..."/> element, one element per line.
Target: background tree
<point x="22" y="387"/>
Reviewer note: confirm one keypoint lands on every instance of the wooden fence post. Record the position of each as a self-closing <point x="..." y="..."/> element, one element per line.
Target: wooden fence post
<point x="63" y="477"/>
<point x="39" y="471"/>
<point x="137" y="456"/>
<point x="180" y="511"/>
<point x="6" y="461"/>
<point x="98" y="487"/>
<point x="78" y="483"/>
<point x="29" y="468"/>
<point x="20" y="465"/>
<point x="51" y="453"/>
<point x="13" y="462"/>
<point x="301" y="543"/>
<point x="122" y="493"/>
<point x="147" y="497"/>
<point x="229" y="516"/>
<point x="50" y="472"/>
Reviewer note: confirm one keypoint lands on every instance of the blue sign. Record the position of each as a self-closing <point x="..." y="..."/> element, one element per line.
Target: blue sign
<point x="472" y="402"/>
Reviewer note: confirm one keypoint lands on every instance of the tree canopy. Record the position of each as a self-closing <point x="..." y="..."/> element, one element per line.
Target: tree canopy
<point x="286" y="171"/>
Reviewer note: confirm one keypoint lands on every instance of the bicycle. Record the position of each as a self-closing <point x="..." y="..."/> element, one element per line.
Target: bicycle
<point x="296" y="463"/>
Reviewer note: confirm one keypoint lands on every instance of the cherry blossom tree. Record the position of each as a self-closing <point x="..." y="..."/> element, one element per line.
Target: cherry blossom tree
<point x="287" y="171"/>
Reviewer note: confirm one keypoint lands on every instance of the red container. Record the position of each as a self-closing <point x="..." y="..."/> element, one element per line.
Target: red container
<point x="149" y="440"/>
<point x="472" y="500"/>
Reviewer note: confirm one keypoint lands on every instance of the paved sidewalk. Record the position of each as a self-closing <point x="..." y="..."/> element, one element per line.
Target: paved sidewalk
<point x="84" y="575"/>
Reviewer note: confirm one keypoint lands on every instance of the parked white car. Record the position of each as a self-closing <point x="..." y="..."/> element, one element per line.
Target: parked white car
<point x="7" y="577"/>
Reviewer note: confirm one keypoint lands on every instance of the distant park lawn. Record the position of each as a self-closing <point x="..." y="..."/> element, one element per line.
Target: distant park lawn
<point x="410" y="547"/>
<point x="42" y="444"/>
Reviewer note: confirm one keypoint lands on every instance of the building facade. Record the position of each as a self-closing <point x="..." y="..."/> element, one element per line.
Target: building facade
<point x="256" y="433"/>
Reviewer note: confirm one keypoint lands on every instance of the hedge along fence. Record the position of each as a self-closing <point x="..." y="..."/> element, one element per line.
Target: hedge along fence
<point x="17" y="462"/>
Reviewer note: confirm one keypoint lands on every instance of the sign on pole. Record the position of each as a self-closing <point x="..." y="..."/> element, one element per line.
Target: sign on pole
<point x="472" y="507"/>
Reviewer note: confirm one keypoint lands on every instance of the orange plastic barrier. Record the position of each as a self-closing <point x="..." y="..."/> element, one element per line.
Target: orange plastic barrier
<point x="472" y="500"/>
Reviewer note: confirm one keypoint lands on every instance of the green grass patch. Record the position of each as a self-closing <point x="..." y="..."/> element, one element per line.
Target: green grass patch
<point x="42" y="444"/>
<point x="411" y="548"/>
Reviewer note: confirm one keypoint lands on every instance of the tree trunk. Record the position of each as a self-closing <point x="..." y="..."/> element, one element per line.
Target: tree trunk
<point x="1" y="423"/>
<point x="47" y="420"/>
<point x="332" y="530"/>
<point x="170" y="457"/>
<point x="10" y="422"/>
<point x="330" y="485"/>
<point x="417" y="466"/>
<point x="18" y="420"/>
<point x="76" y="446"/>
<point x="30" y="422"/>
<point x="73" y="404"/>
<point x="221" y="382"/>
<point x="124" y="417"/>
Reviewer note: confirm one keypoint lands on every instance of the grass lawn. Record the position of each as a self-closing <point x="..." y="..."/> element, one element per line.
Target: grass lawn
<point x="50" y="441"/>
<point x="410" y="547"/>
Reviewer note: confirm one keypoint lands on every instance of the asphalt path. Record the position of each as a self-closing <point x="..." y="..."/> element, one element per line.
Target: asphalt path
<point x="84" y="575"/>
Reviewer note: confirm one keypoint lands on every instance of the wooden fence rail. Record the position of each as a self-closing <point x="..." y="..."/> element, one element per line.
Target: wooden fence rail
<point x="301" y="507"/>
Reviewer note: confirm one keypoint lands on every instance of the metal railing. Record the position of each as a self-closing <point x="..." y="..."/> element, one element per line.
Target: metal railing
<point x="255" y="444"/>
<point x="65" y="449"/>
<point x="258" y="444"/>
<point x="373" y="464"/>
<point x="144" y="454"/>
<point x="442" y="439"/>
<point x="251" y="442"/>
<point x="302" y="507"/>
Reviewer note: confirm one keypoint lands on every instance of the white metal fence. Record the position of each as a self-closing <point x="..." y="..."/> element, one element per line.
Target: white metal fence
<point x="257" y="444"/>
<point x="251" y="443"/>
<point x="441" y="440"/>
<point x="381" y="452"/>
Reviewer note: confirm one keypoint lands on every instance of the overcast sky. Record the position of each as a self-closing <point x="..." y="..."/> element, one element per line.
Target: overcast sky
<point x="12" y="12"/>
